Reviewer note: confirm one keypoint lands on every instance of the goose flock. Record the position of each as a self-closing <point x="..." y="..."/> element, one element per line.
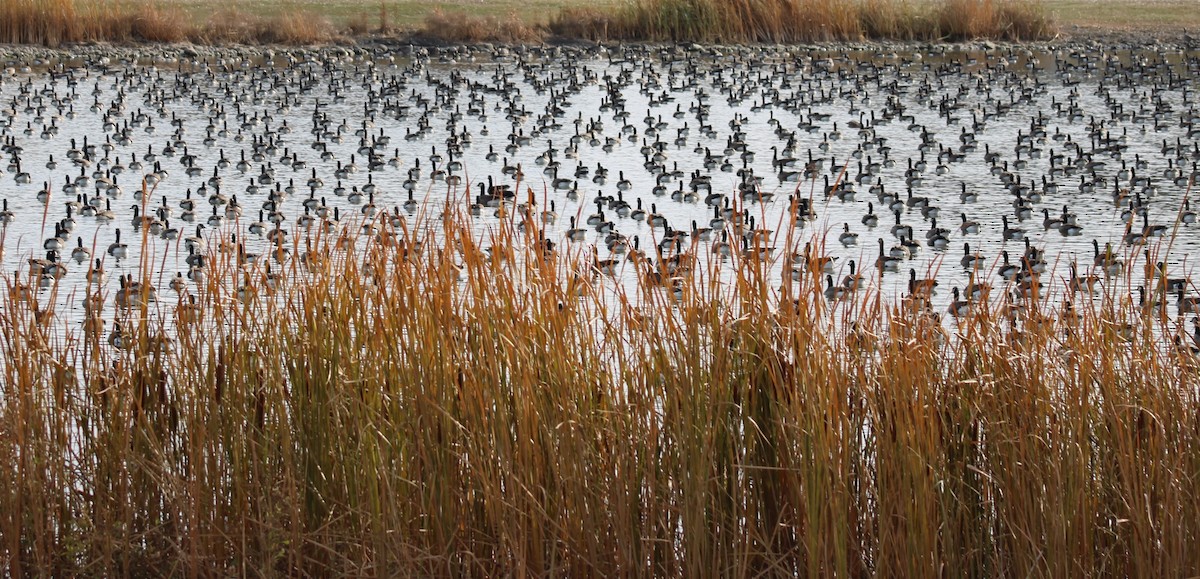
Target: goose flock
<point x="956" y="173"/>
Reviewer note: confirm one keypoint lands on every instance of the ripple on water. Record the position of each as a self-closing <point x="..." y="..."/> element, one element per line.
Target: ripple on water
<point x="936" y="157"/>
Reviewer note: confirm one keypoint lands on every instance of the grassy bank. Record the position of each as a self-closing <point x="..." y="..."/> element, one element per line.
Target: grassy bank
<point x="1126" y="15"/>
<point x="54" y="22"/>
<point x="480" y="406"/>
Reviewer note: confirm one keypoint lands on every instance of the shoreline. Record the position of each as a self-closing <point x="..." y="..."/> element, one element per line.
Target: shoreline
<point x="12" y="55"/>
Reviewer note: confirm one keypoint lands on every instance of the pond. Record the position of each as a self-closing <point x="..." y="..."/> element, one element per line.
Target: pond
<point x="949" y="165"/>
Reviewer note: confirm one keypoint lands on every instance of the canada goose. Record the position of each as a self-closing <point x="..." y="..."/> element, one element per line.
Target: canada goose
<point x="853" y="281"/>
<point x="57" y="241"/>
<point x="1068" y="226"/>
<point x="1147" y="305"/>
<point x="833" y="292"/>
<point x="920" y="286"/>
<point x="1034" y="259"/>
<point x="164" y="230"/>
<point x="916" y="202"/>
<point x="1079" y="283"/>
<point x="1169" y="284"/>
<point x="22" y="177"/>
<point x="1186" y="349"/>
<point x="606" y="267"/>
<point x="1107" y="260"/>
<point x="575" y="233"/>
<point x="1011" y="233"/>
<point x="870" y="219"/>
<point x="900" y="229"/>
<point x="968" y="227"/>
<point x="638" y="214"/>
<point x="1187" y="216"/>
<point x="886" y="262"/>
<point x="906" y="248"/>
<point x="977" y="291"/>
<point x="1132" y="237"/>
<point x="1185" y="304"/>
<point x="1007" y="270"/>
<point x="178" y="283"/>
<point x="1049" y="222"/>
<point x="80" y="254"/>
<point x="958" y="307"/>
<point x="623" y="184"/>
<point x="970" y="260"/>
<point x="815" y="263"/>
<point x="758" y="251"/>
<point x="967" y="196"/>
<point x="655" y="219"/>
<point x="117" y="249"/>
<point x="848" y="237"/>
<point x="118" y="339"/>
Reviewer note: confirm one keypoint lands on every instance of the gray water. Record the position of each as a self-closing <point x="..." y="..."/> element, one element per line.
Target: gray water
<point x="654" y="116"/>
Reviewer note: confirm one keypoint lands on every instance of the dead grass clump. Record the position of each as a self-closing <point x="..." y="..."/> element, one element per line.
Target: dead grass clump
<point x="301" y="27"/>
<point x="154" y="23"/>
<point x="584" y="23"/>
<point x="829" y="20"/>
<point x="964" y="19"/>
<point x="227" y="25"/>
<point x="999" y="19"/>
<point x="358" y="24"/>
<point x="895" y="19"/>
<point x="1022" y="20"/>
<point x="54" y="22"/>
<point x="674" y="20"/>
<point x="385" y="18"/>
<point x="45" y="22"/>
<point x="458" y="27"/>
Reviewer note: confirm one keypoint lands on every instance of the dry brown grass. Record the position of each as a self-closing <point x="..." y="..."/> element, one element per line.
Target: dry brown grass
<point x="1010" y="20"/>
<point x="296" y="28"/>
<point x="1024" y="20"/>
<point x="41" y="22"/>
<point x="359" y="24"/>
<point x="583" y="23"/>
<point x="467" y="28"/>
<point x="235" y="26"/>
<point x="55" y="22"/>
<point x="893" y="19"/>
<point x="152" y="23"/>
<point x="812" y="20"/>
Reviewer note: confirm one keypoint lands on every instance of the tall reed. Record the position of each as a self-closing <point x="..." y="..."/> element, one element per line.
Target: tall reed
<point x="791" y="21"/>
<point x="57" y="22"/>
<point x="458" y="27"/>
<point x="429" y="397"/>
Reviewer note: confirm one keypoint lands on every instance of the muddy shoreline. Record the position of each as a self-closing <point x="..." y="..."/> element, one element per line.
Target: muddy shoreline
<point x="102" y="54"/>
